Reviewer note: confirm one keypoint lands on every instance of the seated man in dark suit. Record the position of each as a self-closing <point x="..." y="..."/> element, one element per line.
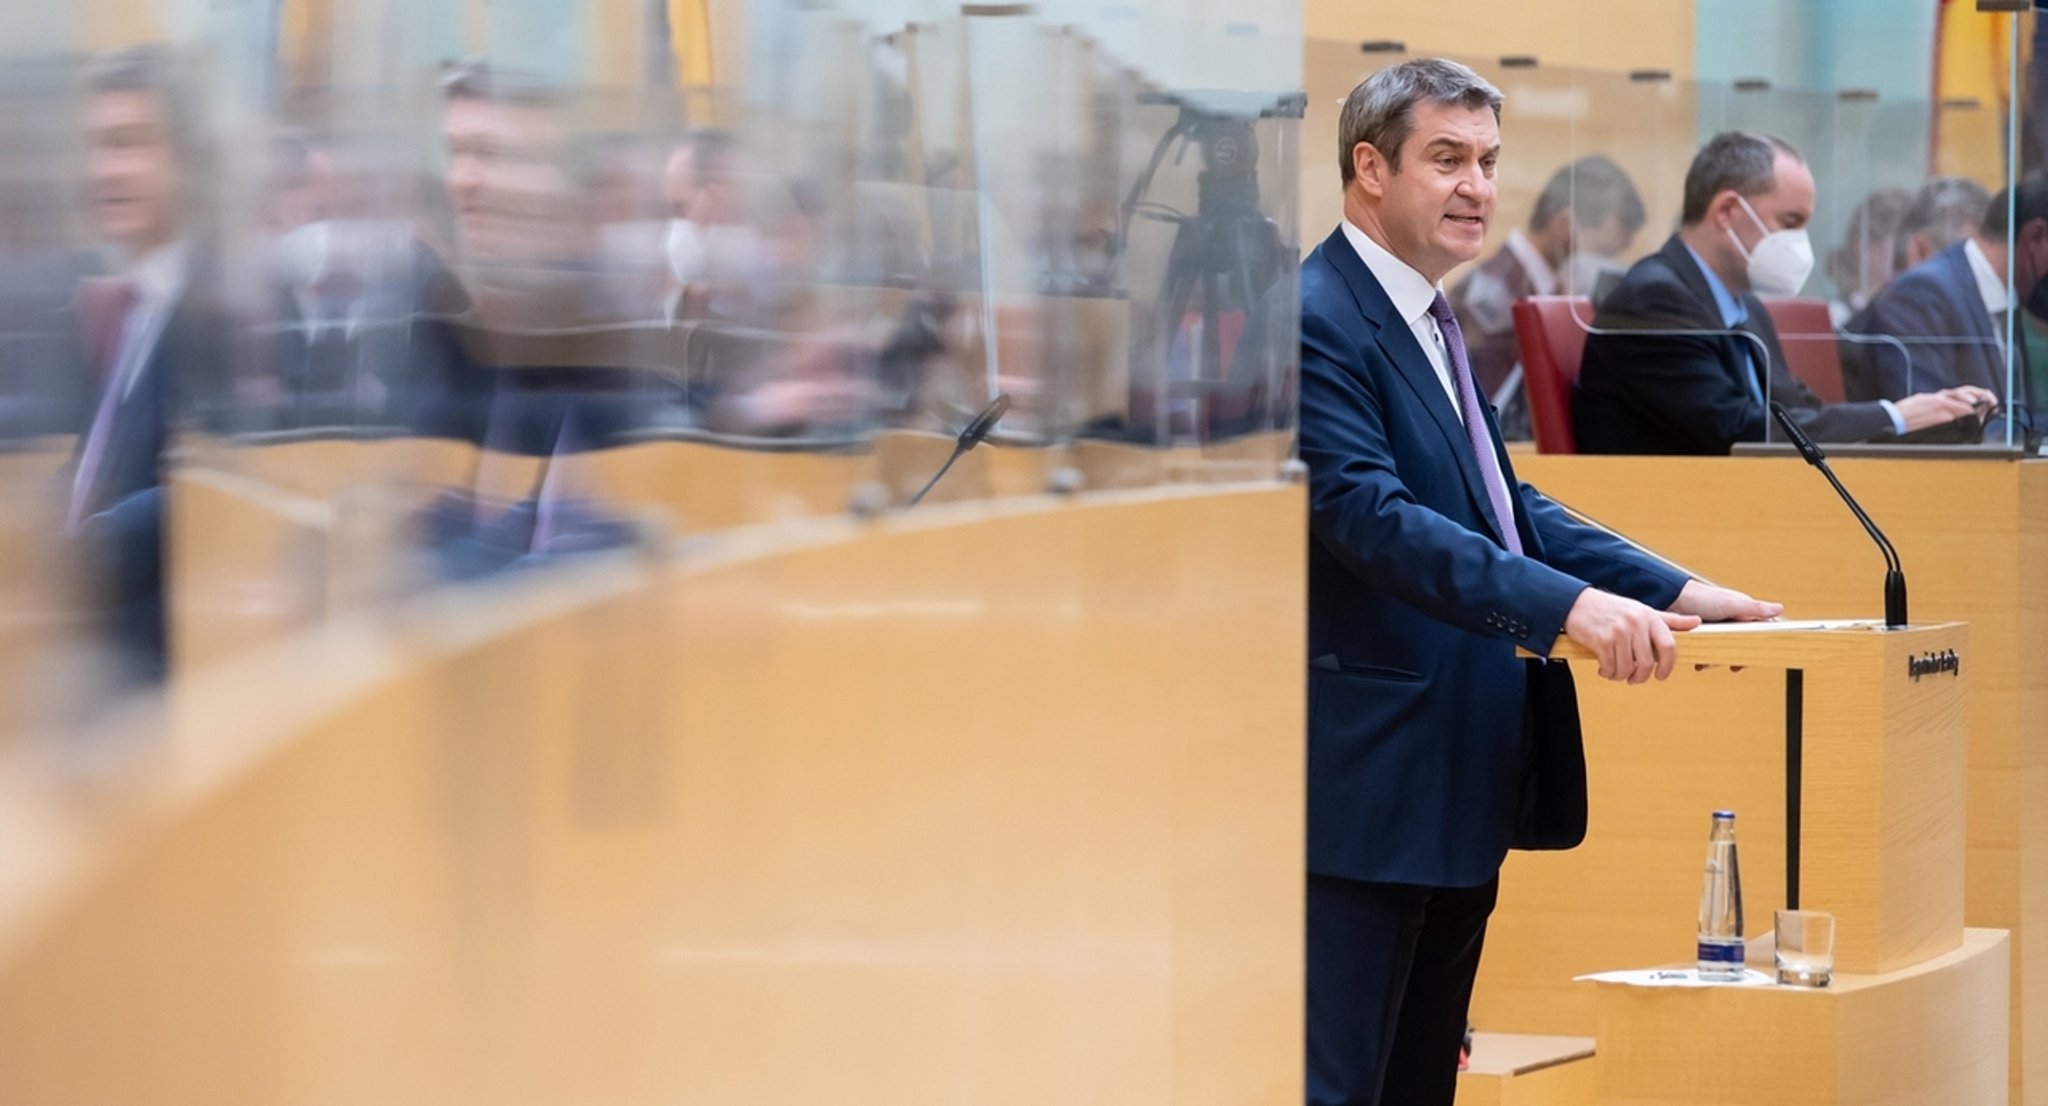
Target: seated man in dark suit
<point x="1945" y="211"/>
<point x="351" y="339"/>
<point x="1942" y="323"/>
<point x="1683" y="357"/>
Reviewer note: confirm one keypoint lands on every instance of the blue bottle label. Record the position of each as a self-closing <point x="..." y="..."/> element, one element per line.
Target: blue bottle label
<point x="1718" y="953"/>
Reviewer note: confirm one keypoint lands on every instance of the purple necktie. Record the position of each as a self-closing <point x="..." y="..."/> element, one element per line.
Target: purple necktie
<point x="1475" y="422"/>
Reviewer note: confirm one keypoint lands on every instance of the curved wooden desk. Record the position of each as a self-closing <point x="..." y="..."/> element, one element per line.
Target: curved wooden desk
<point x="998" y="802"/>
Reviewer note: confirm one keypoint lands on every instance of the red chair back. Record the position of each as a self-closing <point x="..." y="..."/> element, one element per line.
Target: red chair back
<point x="1808" y="337"/>
<point x="1551" y="332"/>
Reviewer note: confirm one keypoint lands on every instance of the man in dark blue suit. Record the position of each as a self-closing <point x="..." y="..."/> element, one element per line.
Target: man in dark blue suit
<point x="158" y="342"/>
<point x="1433" y="748"/>
<point x="1942" y="323"/>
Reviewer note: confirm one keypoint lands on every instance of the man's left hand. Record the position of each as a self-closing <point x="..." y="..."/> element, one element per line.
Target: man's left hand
<point x="1712" y="604"/>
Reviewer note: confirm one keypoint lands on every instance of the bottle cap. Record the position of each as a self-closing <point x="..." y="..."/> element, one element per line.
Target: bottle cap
<point x="1728" y="814"/>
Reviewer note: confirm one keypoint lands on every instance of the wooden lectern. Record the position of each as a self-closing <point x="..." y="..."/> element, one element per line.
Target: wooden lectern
<point x="1842" y="750"/>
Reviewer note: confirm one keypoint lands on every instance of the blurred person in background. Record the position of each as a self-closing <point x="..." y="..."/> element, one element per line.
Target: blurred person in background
<point x="152" y="338"/>
<point x="764" y="354"/>
<point x="542" y="362"/>
<point x="525" y="244"/>
<point x="1866" y="259"/>
<point x="1942" y="323"/>
<point x="629" y="205"/>
<point x="548" y="364"/>
<point x="329" y="362"/>
<point x="701" y="185"/>
<point x="353" y="297"/>
<point x="1945" y="211"/>
<point x="1585" y="218"/>
<point x="1610" y="216"/>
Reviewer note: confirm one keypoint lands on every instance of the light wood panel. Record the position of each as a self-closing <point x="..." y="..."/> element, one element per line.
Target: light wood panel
<point x="1882" y="834"/>
<point x="1932" y="1033"/>
<point x="1510" y="1069"/>
<point x="999" y="802"/>
<point x="705" y="486"/>
<point x="1974" y="539"/>
<point x="2009" y="797"/>
<point x="36" y="600"/>
<point x="698" y="487"/>
<point x="324" y="468"/>
<point x="1591" y="33"/>
<point x="269" y="528"/>
<point x="249" y="564"/>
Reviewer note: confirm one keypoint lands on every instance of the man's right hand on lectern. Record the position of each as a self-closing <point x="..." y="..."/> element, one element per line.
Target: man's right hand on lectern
<point x="1633" y="642"/>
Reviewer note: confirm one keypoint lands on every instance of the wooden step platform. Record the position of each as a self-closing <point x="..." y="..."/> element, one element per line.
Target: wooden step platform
<point x="1520" y="1069"/>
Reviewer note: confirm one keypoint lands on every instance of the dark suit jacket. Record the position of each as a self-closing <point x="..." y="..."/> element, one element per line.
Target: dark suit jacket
<point x="118" y="549"/>
<point x="1662" y="374"/>
<point x="1423" y="724"/>
<point x="1945" y="334"/>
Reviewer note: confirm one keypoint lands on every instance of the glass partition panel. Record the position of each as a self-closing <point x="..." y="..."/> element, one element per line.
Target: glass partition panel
<point x="1893" y="337"/>
<point x="427" y="357"/>
<point x="1592" y="181"/>
<point x="415" y="294"/>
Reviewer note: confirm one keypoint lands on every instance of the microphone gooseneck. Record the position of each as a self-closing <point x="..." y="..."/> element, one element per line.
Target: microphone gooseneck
<point x="1894" y="575"/>
<point x="977" y="431"/>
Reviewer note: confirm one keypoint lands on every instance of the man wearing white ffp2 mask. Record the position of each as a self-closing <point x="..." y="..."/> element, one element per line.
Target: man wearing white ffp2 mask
<point x="1781" y="260"/>
<point x="1683" y="357"/>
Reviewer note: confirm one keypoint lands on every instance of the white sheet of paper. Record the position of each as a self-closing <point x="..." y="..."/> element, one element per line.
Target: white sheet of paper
<point x="1784" y="625"/>
<point x="1677" y="977"/>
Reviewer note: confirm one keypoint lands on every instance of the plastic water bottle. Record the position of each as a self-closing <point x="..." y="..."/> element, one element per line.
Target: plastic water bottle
<point x="1721" y="904"/>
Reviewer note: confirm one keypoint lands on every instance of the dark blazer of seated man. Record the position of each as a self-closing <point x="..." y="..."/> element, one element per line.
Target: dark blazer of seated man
<point x="1428" y="565"/>
<point x="1941" y="323"/>
<point x="1683" y="357"/>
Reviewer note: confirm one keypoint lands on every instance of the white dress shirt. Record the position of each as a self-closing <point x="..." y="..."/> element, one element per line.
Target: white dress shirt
<point x="1412" y="294"/>
<point x="1541" y="276"/>
<point x="159" y="278"/>
<point x="1990" y="282"/>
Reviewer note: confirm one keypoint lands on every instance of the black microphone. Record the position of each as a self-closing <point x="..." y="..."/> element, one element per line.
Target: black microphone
<point x="1894" y="576"/>
<point x="977" y="430"/>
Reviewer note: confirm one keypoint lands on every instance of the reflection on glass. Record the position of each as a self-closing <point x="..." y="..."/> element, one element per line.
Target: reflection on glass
<point x="307" y="309"/>
<point x="1855" y="113"/>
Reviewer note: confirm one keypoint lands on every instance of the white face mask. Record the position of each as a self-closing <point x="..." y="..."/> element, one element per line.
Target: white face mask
<point x="1782" y="260"/>
<point x="685" y="251"/>
<point x="1582" y="272"/>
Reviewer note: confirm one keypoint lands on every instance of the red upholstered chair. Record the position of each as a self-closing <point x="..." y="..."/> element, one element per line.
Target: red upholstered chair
<point x="1551" y="332"/>
<point x="1808" y="336"/>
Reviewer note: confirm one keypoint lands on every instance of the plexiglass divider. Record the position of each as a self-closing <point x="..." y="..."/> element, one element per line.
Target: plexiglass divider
<point x="1592" y="181"/>
<point x="543" y="277"/>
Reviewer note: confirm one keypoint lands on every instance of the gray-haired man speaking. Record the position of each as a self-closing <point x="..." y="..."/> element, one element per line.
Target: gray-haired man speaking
<point x="1433" y="749"/>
